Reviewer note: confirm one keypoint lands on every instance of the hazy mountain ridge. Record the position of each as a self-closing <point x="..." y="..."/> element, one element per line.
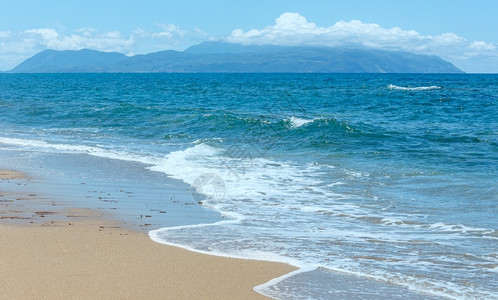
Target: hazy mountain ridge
<point x="69" y="61"/>
<point x="218" y="57"/>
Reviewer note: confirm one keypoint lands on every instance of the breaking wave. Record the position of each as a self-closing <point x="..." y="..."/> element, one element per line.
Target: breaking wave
<point x="418" y="88"/>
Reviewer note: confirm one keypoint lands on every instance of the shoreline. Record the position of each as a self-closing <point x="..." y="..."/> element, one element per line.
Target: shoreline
<point x="79" y="253"/>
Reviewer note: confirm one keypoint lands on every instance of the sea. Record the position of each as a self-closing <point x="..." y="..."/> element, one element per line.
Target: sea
<point x="374" y="186"/>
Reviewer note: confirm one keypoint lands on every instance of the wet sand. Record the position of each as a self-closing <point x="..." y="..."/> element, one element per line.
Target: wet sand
<point x="76" y="253"/>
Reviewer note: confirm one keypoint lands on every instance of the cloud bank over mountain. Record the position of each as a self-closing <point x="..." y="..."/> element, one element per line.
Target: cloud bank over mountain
<point x="82" y="38"/>
<point x="222" y="57"/>
<point x="18" y="46"/>
<point x="288" y="29"/>
<point x="294" y="29"/>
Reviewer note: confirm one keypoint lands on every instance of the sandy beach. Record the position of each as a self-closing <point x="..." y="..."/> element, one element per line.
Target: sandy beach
<point x="76" y="254"/>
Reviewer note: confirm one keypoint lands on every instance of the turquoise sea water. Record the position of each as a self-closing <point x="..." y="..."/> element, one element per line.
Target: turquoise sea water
<point x="386" y="177"/>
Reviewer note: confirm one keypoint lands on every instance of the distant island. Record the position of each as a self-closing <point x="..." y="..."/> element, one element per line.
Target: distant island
<point x="220" y="57"/>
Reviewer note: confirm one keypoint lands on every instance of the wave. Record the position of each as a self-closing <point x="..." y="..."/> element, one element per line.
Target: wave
<point x="298" y="122"/>
<point x="463" y="229"/>
<point x="280" y="191"/>
<point x="190" y="164"/>
<point x="319" y="125"/>
<point x="418" y="88"/>
<point x="67" y="148"/>
<point x="157" y="236"/>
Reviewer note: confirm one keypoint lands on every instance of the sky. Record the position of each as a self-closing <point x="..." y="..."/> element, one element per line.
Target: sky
<point x="460" y="31"/>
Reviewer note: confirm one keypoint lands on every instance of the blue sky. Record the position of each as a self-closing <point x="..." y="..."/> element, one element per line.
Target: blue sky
<point x="463" y="32"/>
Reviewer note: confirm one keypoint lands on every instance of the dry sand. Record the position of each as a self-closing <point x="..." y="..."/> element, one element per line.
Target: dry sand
<point x="93" y="258"/>
<point x="10" y="174"/>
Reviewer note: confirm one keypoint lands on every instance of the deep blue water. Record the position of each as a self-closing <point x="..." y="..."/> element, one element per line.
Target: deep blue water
<point x="392" y="177"/>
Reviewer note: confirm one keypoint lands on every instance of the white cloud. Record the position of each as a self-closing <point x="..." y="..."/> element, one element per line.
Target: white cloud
<point x="199" y="32"/>
<point x="4" y="34"/>
<point x="169" y="31"/>
<point x="18" y="46"/>
<point x="294" y="29"/>
<point x="169" y="36"/>
<point x="86" y="31"/>
<point x="46" y="33"/>
<point x="140" y="33"/>
<point x="84" y="38"/>
<point x="482" y="46"/>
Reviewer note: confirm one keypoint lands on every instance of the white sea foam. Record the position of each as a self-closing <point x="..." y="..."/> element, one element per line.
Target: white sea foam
<point x="418" y="88"/>
<point x="263" y="288"/>
<point x="284" y="193"/>
<point x="158" y="236"/>
<point x="196" y="142"/>
<point x="281" y="189"/>
<point x="296" y="122"/>
<point x="67" y="148"/>
<point x="462" y="229"/>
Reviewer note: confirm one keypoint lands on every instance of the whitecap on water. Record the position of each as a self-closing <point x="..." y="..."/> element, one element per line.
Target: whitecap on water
<point x="298" y="122"/>
<point x="418" y="88"/>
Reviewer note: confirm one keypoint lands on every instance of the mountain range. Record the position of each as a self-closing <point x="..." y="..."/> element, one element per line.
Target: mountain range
<point x="220" y="57"/>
